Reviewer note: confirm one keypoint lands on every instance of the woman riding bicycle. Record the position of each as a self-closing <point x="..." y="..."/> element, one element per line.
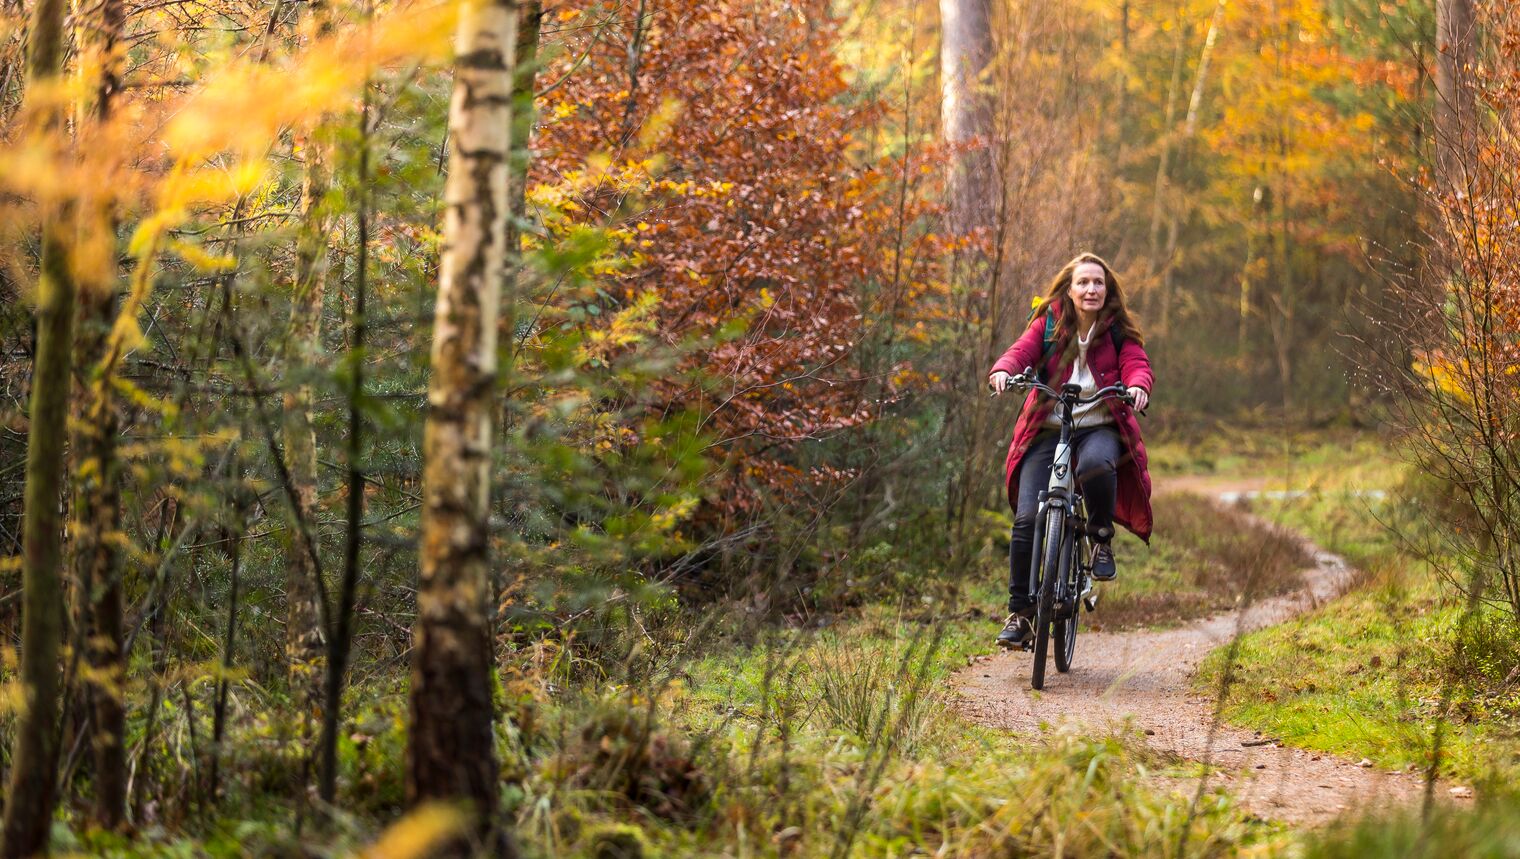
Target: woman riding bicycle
<point x="1080" y="333"/>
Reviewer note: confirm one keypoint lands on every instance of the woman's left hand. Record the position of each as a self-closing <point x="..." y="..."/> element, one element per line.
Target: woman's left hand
<point x="1140" y="397"/>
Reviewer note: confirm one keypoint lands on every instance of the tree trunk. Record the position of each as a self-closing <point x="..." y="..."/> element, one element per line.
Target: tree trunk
<point x="233" y="539"/>
<point x="524" y="83"/>
<point x="1164" y="164"/>
<point x="966" y="111"/>
<point x="525" y="78"/>
<point x="1189" y="128"/>
<point x="34" y="755"/>
<point x="1455" y="105"/>
<point x="342" y="634"/>
<point x="96" y="558"/>
<point x="97" y="570"/>
<point x="966" y="116"/>
<point x="304" y="645"/>
<point x="450" y="747"/>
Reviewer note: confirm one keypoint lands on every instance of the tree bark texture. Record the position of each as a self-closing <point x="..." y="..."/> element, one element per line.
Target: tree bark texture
<point x="1456" y="115"/>
<point x="304" y="646"/>
<point x="97" y="523"/>
<point x="450" y="750"/>
<point x="98" y="569"/>
<point x="34" y="757"/>
<point x="966" y="111"/>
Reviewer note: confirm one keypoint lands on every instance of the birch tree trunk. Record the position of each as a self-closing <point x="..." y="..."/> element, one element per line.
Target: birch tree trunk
<point x="1455" y="106"/>
<point x="34" y="756"/>
<point x="450" y="749"/>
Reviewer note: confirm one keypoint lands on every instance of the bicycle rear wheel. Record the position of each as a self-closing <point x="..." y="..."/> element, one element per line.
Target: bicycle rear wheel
<point x="1066" y="627"/>
<point x="1050" y="570"/>
<point x="1073" y="549"/>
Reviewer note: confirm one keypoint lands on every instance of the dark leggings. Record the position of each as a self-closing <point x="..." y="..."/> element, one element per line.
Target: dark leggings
<point x="1097" y="451"/>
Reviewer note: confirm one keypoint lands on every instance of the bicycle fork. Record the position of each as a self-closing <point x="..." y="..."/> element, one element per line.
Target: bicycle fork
<point x="1061" y="495"/>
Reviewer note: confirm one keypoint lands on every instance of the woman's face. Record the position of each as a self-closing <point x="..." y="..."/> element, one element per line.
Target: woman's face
<point x="1088" y="289"/>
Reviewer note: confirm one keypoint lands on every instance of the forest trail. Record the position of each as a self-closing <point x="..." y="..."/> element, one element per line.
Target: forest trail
<point x="1143" y="677"/>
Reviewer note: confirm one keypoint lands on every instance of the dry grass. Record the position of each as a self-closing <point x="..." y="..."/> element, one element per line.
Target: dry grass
<point x="1203" y="558"/>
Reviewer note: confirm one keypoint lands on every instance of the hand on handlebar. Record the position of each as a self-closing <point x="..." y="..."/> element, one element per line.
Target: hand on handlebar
<point x="1139" y="398"/>
<point x="998" y="382"/>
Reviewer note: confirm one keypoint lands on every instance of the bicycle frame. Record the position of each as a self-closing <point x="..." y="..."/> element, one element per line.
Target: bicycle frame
<point x="1061" y="492"/>
<point x="1057" y="597"/>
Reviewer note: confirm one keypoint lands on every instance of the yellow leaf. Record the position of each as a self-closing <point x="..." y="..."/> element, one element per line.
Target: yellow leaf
<point x="418" y="833"/>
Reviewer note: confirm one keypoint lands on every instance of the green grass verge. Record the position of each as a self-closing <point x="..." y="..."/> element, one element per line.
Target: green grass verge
<point x="1369" y="675"/>
<point x="1490" y="831"/>
<point x="860" y="711"/>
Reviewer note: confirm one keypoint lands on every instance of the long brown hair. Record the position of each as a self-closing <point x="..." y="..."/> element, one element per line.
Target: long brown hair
<point x="1058" y="300"/>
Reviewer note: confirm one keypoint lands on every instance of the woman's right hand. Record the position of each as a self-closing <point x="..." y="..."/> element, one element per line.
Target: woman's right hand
<point x="998" y="381"/>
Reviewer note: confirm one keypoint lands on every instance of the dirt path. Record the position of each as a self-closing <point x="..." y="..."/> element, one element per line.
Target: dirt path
<point x="1143" y="677"/>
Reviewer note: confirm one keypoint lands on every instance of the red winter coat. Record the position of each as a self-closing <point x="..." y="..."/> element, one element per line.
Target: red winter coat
<point x="1131" y="366"/>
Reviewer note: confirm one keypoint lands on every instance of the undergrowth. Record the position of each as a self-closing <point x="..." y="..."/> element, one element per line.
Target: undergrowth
<point x="835" y="734"/>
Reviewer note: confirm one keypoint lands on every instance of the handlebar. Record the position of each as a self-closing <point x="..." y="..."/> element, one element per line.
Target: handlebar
<point x="1027" y="379"/>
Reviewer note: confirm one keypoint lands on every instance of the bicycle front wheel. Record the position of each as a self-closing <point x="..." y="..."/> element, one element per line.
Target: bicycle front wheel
<point x="1045" y="600"/>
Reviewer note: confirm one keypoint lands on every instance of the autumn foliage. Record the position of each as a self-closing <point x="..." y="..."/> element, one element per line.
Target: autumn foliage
<point x="1456" y="364"/>
<point x="730" y="157"/>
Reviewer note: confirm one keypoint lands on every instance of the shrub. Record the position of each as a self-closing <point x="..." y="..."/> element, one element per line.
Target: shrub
<point x="620" y="752"/>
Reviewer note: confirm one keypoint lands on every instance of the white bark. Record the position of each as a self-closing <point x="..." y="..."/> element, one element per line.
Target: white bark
<point x="449" y="750"/>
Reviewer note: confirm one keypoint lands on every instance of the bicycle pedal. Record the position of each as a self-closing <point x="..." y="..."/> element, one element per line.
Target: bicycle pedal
<point x="1090" y="602"/>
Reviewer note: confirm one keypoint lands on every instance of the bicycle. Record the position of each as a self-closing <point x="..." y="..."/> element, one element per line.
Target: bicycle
<point x="1060" y="573"/>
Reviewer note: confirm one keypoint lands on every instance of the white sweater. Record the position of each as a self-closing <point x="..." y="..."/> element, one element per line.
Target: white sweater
<point x="1092" y="414"/>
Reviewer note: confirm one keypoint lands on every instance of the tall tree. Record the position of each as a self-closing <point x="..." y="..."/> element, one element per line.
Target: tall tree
<point x="966" y="111"/>
<point x="97" y="510"/>
<point x="341" y="639"/>
<point x="966" y="115"/>
<point x="304" y="644"/>
<point x="34" y="756"/>
<point x="450" y="745"/>
<point x="303" y="615"/>
<point x="1455" y="107"/>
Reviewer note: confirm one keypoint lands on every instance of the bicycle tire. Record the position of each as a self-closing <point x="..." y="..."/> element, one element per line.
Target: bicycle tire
<point x="1066" y="628"/>
<point x="1050" y="565"/>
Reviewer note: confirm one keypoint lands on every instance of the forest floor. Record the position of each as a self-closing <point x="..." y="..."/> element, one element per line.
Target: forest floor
<point x="1144" y="680"/>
